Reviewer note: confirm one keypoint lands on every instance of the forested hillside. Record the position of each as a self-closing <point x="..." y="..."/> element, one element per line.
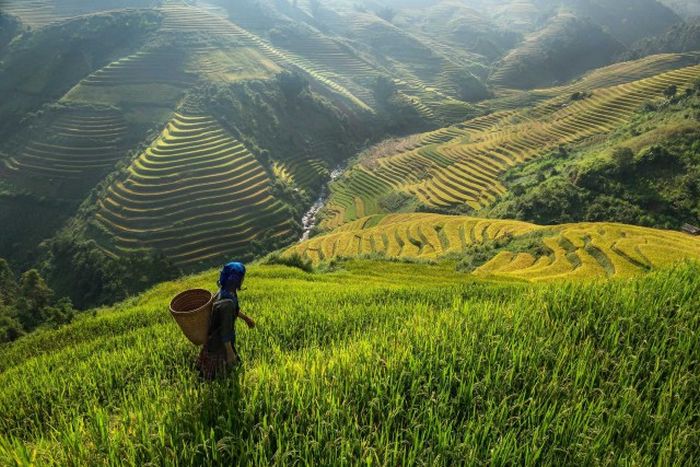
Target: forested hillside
<point x="646" y="173"/>
<point x="683" y="37"/>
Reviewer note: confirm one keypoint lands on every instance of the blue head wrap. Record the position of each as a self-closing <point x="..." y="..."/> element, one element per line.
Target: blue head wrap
<point x="231" y="274"/>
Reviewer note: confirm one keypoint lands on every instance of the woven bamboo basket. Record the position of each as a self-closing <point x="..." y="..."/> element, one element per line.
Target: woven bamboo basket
<point x="192" y="312"/>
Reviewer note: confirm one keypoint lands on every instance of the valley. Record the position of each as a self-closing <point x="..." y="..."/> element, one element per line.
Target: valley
<point x="341" y="59"/>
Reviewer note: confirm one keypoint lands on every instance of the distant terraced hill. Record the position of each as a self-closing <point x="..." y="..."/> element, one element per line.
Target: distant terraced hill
<point x="114" y="102"/>
<point x="508" y="249"/>
<point x="38" y="67"/>
<point x="40" y="13"/>
<point x="611" y="75"/>
<point x="194" y="194"/>
<point x="184" y="18"/>
<point x="461" y="165"/>
<point x="352" y="47"/>
<point x="153" y="76"/>
<point x="70" y="153"/>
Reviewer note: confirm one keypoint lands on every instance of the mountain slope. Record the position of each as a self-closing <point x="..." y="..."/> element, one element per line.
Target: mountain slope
<point x="683" y="37"/>
<point x="627" y="20"/>
<point x="195" y="194"/>
<point x="342" y="363"/>
<point x="461" y="165"/>
<point x="40" y="67"/>
<point x="41" y="13"/>
<point x="86" y="90"/>
<point x="647" y="172"/>
<point x="105" y="100"/>
<point x="507" y="249"/>
<point x="684" y="8"/>
<point x="565" y="48"/>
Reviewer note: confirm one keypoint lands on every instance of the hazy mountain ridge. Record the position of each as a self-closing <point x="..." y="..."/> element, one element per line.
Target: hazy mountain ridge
<point x="564" y="49"/>
<point x="683" y="37"/>
<point x="684" y="8"/>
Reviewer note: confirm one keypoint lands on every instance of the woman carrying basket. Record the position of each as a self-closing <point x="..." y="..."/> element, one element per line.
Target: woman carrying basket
<point x="220" y="348"/>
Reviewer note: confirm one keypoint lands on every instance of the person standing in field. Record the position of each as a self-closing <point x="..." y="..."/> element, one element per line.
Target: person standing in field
<point x="220" y="348"/>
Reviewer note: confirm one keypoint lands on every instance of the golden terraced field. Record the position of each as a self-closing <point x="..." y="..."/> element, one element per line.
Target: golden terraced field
<point x="462" y="164"/>
<point x="76" y="146"/>
<point x="573" y="251"/>
<point x="196" y="193"/>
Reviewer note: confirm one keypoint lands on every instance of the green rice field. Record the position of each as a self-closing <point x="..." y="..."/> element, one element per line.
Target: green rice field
<point x="374" y="362"/>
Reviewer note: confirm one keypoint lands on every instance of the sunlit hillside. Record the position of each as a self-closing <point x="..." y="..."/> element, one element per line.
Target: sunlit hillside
<point x="463" y="164"/>
<point x="506" y="249"/>
<point x="376" y="362"/>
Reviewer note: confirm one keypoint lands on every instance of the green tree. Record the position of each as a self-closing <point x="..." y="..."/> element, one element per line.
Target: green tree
<point x="292" y="84"/>
<point x="384" y="88"/>
<point x="34" y="297"/>
<point x="10" y="327"/>
<point x="671" y="91"/>
<point x="623" y="158"/>
<point x="8" y="284"/>
<point x="60" y="313"/>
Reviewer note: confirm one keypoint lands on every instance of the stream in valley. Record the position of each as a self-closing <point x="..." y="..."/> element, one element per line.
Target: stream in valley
<point x="309" y="219"/>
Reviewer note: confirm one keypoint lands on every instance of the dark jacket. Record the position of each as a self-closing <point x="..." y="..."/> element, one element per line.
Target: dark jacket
<point x="222" y="328"/>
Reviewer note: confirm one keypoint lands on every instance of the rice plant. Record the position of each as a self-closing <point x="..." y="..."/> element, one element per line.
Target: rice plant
<point x="377" y="362"/>
<point x="572" y="251"/>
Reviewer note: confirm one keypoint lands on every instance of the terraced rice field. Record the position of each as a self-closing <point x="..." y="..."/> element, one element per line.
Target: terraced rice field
<point x="613" y="75"/>
<point x="159" y="66"/>
<point x="421" y="68"/>
<point x="462" y="164"/>
<point x="155" y="76"/>
<point x="35" y="13"/>
<point x="196" y="194"/>
<point x="328" y="62"/>
<point x="520" y="14"/>
<point x="40" y="13"/>
<point x="76" y="145"/>
<point x="634" y="70"/>
<point x="305" y="170"/>
<point x="185" y="18"/>
<point x="326" y="54"/>
<point x="574" y="251"/>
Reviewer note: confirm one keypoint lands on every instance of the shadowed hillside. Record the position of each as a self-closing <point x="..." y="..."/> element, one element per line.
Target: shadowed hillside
<point x="564" y="49"/>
